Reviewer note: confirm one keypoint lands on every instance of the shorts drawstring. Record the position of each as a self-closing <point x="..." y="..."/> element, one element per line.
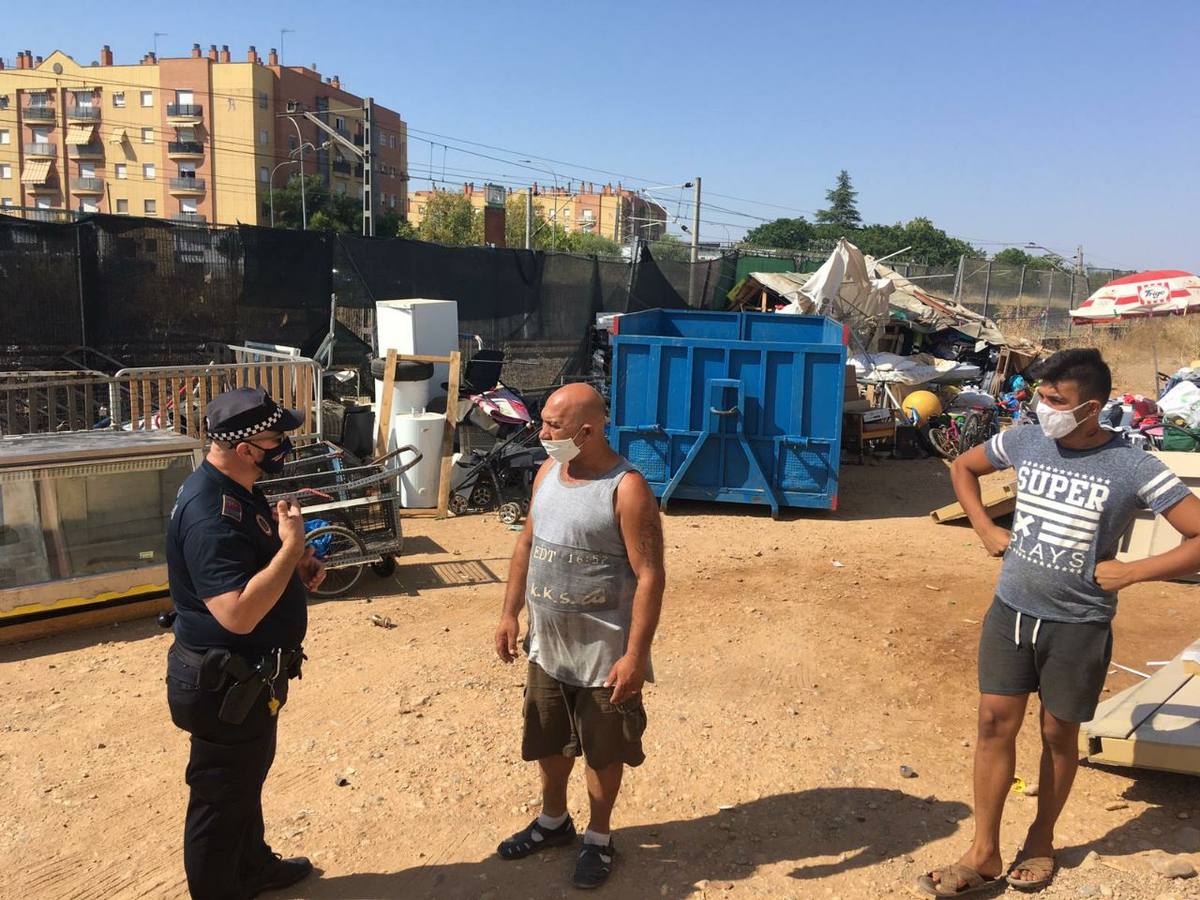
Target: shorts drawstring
<point x="1037" y="626"/>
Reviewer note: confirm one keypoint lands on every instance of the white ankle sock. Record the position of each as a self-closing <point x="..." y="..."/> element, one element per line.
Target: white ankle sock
<point x="595" y="837"/>
<point x="550" y="823"/>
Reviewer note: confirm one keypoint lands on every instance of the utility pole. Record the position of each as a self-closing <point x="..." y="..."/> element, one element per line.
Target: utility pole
<point x="529" y="218"/>
<point x="695" y="246"/>
<point x="368" y="216"/>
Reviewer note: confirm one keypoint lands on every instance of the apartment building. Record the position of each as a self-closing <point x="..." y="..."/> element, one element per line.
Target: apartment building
<point x="195" y="139"/>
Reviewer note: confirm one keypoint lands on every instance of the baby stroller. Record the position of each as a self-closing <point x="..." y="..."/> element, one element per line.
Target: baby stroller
<point x="499" y="477"/>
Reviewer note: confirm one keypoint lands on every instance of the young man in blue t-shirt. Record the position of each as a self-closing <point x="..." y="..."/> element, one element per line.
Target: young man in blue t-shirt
<point x="1049" y="628"/>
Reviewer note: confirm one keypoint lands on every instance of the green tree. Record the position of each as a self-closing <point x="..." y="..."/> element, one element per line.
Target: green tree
<point x="404" y="229"/>
<point x="591" y="244"/>
<point x="450" y="219"/>
<point x="1013" y="256"/>
<point x="669" y="248"/>
<point x="514" y="222"/>
<point x="841" y="211"/>
<point x="782" y="234"/>
<point x="327" y="211"/>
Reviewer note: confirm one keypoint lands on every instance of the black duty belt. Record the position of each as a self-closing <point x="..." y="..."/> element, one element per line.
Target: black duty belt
<point x="242" y="680"/>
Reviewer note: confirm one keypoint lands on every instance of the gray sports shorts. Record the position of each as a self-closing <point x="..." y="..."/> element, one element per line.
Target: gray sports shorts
<point x="1064" y="662"/>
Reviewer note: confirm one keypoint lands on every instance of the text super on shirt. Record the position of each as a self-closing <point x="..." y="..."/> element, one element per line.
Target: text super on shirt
<point x="1072" y="508"/>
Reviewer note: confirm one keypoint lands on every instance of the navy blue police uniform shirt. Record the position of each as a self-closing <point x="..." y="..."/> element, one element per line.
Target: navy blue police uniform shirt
<point x="220" y="536"/>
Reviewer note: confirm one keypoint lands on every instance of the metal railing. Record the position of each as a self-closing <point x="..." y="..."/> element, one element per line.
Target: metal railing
<point x="173" y="398"/>
<point x="38" y="113"/>
<point x="193" y="147"/>
<point x="189" y="218"/>
<point x="85" y="151"/>
<point x="186" y="183"/>
<point x="84" y="113"/>
<point x="184" y="110"/>
<point x="40" y="149"/>
<point x="342" y="166"/>
<point x="87" y="185"/>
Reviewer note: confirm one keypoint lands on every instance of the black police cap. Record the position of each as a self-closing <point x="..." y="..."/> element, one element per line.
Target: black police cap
<point x="244" y="412"/>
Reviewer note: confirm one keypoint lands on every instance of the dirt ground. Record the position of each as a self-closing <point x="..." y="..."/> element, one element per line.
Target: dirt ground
<point x="791" y="691"/>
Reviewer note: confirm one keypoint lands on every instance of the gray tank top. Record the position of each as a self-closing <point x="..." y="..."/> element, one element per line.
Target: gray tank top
<point x="580" y="585"/>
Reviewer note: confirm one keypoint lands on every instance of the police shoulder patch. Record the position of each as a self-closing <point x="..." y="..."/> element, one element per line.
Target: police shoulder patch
<point x="231" y="508"/>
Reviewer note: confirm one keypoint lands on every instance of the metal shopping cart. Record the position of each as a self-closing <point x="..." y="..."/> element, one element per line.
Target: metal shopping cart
<point x="351" y="509"/>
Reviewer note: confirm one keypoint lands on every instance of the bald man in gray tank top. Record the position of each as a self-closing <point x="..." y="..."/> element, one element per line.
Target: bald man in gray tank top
<point x="589" y="564"/>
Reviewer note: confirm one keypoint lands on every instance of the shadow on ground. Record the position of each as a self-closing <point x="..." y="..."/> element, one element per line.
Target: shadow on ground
<point x="824" y="832"/>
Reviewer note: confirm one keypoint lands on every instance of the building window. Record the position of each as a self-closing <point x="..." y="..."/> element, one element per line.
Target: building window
<point x="148" y="171"/>
<point x="88" y="206"/>
<point x="41" y="135"/>
<point x="264" y="137"/>
<point x="264" y="174"/>
<point x="6" y="201"/>
<point x="119" y="99"/>
<point x="292" y="144"/>
<point x="150" y="207"/>
<point x="263" y="100"/>
<point x="339" y="123"/>
<point x="120" y="171"/>
<point x="187" y="170"/>
<point x="147" y="98"/>
<point x="187" y="135"/>
<point x="185" y="98"/>
<point x="85" y="99"/>
<point x="3" y="101"/>
<point x="123" y="207"/>
<point x="5" y="171"/>
<point x="147" y="135"/>
<point x="87" y="170"/>
<point x="341" y="188"/>
<point x="188" y="207"/>
<point x="392" y="141"/>
<point x="5" y="137"/>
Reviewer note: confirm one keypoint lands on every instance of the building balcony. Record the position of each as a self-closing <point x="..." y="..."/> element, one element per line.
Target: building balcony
<point x="41" y="151"/>
<point x="83" y="113"/>
<point x="341" y="167"/>
<point x="49" y="186"/>
<point x="84" y="185"/>
<point x="38" y="114"/>
<point x="185" y="150"/>
<point x="184" y="113"/>
<point x="93" y="150"/>
<point x="189" y="218"/>
<point x="186" y="185"/>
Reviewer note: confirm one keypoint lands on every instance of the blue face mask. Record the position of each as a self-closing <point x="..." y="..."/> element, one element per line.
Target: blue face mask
<point x="274" y="458"/>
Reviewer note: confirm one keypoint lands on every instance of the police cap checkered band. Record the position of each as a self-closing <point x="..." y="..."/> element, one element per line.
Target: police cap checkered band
<point x="241" y="413"/>
<point x="249" y="431"/>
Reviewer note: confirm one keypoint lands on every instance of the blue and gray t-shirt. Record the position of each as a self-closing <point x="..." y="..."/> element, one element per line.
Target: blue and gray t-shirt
<point x="1072" y="508"/>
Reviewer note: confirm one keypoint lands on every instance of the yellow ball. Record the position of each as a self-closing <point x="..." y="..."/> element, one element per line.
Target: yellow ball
<point x="921" y="405"/>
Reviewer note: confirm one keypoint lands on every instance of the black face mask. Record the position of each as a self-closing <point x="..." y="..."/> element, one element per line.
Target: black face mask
<point x="274" y="458"/>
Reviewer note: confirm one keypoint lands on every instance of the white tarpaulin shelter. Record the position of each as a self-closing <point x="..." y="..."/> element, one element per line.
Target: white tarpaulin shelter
<point x="844" y="290"/>
<point x="1158" y="293"/>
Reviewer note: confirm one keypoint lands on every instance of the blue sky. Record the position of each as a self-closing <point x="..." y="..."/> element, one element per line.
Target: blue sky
<point x="1060" y="123"/>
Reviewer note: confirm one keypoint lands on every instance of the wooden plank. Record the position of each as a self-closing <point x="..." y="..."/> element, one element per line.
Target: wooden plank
<point x="385" y="404"/>
<point x="72" y="409"/>
<point x="51" y="408"/>
<point x="89" y="410"/>
<point x="305" y="378"/>
<point x="426" y="359"/>
<point x="148" y="404"/>
<point x="241" y="376"/>
<point x="10" y="408"/>
<point x="91" y="618"/>
<point x="33" y="413"/>
<point x="287" y="392"/>
<point x="448" y="436"/>
<point x="173" y="383"/>
<point x="998" y="500"/>
<point x="202" y="410"/>
<point x="163" y="397"/>
<point x="135" y="406"/>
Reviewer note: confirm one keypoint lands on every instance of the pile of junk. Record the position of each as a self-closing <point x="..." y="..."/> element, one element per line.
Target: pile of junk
<point x="926" y="375"/>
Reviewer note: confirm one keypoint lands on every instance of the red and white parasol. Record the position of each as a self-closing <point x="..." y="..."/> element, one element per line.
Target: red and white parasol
<point x="1157" y="293"/>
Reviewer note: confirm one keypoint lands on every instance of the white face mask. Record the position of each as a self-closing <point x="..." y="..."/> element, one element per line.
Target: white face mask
<point x="1058" y="423"/>
<point x="563" y="451"/>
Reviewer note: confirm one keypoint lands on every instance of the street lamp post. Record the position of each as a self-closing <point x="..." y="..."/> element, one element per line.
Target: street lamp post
<point x="303" y="199"/>
<point x="289" y="162"/>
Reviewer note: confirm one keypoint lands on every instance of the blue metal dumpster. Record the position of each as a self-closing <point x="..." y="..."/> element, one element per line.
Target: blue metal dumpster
<point x="737" y="407"/>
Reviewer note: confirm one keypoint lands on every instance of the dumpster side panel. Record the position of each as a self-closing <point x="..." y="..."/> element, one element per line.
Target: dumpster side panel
<point x="707" y="416"/>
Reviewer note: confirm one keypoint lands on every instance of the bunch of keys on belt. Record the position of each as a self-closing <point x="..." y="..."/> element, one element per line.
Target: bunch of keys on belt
<point x="273" y="703"/>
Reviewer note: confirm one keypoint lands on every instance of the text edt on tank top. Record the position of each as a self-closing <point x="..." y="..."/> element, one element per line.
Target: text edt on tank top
<point x="1057" y="516"/>
<point x="568" y="579"/>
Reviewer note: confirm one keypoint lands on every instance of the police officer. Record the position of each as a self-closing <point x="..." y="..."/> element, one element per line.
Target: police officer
<point x="238" y="570"/>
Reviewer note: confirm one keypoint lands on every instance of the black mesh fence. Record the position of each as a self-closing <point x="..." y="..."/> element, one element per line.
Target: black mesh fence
<point x="151" y="292"/>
